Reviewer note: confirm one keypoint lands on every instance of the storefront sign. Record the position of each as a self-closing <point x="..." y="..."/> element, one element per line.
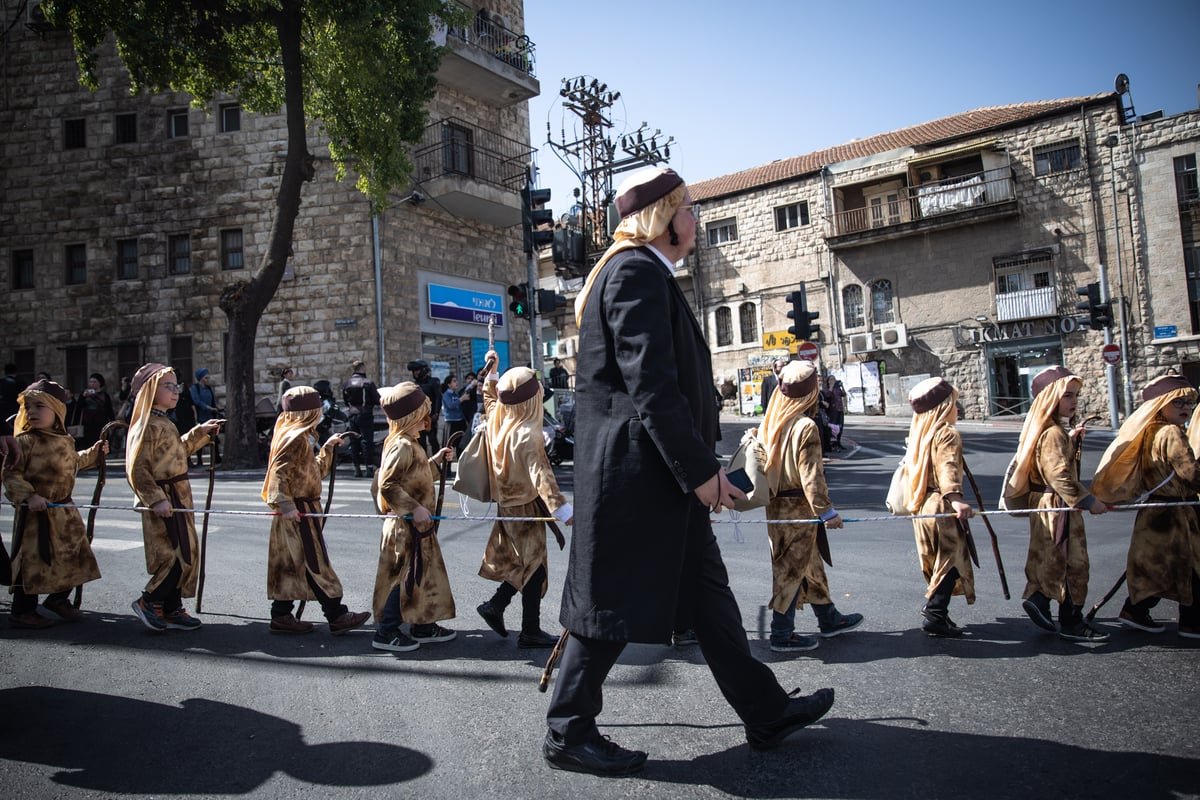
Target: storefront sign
<point x="465" y="305"/>
<point x="1026" y="329"/>
<point x="777" y="339"/>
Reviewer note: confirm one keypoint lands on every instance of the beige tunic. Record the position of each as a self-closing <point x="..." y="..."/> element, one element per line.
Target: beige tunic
<point x="515" y="550"/>
<point x="406" y="480"/>
<point x="1046" y="569"/>
<point x="162" y="459"/>
<point x="47" y="467"/>
<point x="796" y="564"/>
<point x="1164" y="552"/>
<point x="941" y="544"/>
<point x="296" y="549"/>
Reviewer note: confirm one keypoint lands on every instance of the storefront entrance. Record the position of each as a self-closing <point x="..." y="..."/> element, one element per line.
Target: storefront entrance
<point x="1012" y="368"/>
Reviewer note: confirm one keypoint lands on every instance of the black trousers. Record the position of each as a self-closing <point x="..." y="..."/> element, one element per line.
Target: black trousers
<point x="331" y="607"/>
<point x="748" y="685"/>
<point x="362" y="449"/>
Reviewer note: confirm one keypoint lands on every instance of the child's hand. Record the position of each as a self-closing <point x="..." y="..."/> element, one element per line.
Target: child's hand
<point x="335" y="440"/>
<point x="162" y="508"/>
<point x="421" y="518"/>
<point x="571" y="521"/>
<point x="104" y="446"/>
<point x="444" y="456"/>
<point x="213" y="426"/>
<point x="36" y="502"/>
<point x="291" y="516"/>
<point x="835" y="522"/>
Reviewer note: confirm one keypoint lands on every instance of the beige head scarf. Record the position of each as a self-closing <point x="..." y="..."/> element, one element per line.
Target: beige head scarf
<point x="936" y="405"/>
<point x="515" y="425"/>
<point x="406" y="407"/>
<point x="1048" y="389"/>
<point x="1119" y="476"/>
<point x="301" y="411"/>
<point x="52" y="395"/>
<point x="144" y="386"/>
<point x="795" y="397"/>
<point x="647" y="202"/>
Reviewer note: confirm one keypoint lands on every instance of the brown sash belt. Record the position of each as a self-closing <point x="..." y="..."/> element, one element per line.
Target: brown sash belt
<point x="311" y="537"/>
<point x="176" y="524"/>
<point x="416" y="563"/>
<point x="45" y="545"/>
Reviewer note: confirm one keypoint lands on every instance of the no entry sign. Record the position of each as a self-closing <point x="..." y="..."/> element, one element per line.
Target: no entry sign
<point x="807" y="351"/>
<point x="1111" y="353"/>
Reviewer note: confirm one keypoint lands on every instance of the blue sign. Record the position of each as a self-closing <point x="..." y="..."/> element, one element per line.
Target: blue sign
<point x="479" y="352"/>
<point x="464" y="305"/>
<point x="1166" y="332"/>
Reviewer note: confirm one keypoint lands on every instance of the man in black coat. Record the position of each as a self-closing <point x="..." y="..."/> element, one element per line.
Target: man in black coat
<point x="643" y="558"/>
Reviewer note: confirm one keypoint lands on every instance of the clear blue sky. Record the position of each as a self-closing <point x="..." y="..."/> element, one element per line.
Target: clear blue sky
<point x="742" y="84"/>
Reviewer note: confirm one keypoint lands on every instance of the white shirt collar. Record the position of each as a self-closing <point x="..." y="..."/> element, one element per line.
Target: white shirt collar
<point x="662" y="258"/>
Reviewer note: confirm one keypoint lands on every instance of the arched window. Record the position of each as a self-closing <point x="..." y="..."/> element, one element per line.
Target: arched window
<point x="882" y="301"/>
<point x="852" y="306"/>
<point x="748" y="319"/>
<point x="724" y="319"/>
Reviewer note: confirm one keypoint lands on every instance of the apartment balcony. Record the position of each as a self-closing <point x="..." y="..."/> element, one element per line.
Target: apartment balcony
<point x="489" y="62"/>
<point x="472" y="172"/>
<point x="1026" y="304"/>
<point x="950" y="203"/>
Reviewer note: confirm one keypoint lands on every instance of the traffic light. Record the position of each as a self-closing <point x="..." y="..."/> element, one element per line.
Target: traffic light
<point x="1099" y="314"/>
<point x="804" y="328"/>
<point x="519" y="305"/>
<point x="534" y="214"/>
<point x="548" y="300"/>
<point x="567" y="247"/>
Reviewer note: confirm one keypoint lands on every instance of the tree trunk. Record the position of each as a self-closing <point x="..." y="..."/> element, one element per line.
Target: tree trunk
<point x="245" y="301"/>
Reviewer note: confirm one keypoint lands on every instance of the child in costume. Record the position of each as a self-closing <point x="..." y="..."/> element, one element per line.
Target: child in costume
<point x="523" y="485"/>
<point x="156" y="462"/>
<point x="1151" y="454"/>
<point x="411" y="583"/>
<point x="1046" y="470"/>
<point x="797" y="479"/>
<point x="50" y="550"/>
<point x="298" y="565"/>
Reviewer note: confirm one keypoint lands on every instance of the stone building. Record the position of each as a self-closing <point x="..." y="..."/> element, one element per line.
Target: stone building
<point x="125" y="216"/>
<point x="956" y="248"/>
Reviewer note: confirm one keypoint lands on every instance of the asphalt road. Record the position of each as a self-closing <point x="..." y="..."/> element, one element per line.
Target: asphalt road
<point x="106" y="708"/>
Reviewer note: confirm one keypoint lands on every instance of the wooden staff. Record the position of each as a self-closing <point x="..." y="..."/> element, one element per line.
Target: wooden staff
<point x="101" y="479"/>
<point x="991" y="532"/>
<point x="552" y="661"/>
<point x="437" y="514"/>
<point x="1091" y="615"/>
<point x="212" y="476"/>
<point x="328" y="498"/>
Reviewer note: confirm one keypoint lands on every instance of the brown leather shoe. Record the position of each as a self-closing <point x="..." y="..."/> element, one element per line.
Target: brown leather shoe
<point x="348" y="621"/>
<point x="31" y="622"/>
<point x="63" y="610"/>
<point x="289" y="624"/>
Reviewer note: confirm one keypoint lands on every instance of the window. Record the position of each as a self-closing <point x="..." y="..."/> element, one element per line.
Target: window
<point x="76" y="357"/>
<point x="177" y="123"/>
<point x="1021" y="273"/>
<point x="125" y="128"/>
<point x="853" y="312"/>
<point x="179" y="351"/>
<point x="1186" y="187"/>
<point x="457" y="149"/>
<point x="231" y="249"/>
<point x="127" y="259"/>
<point x="748" y="320"/>
<point x="74" y="134"/>
<point x="722" y="230"/>
<point x="22" y="269"/>
<point x="231" y="118"/>
<point x="129" y="359"/>
<point x="1058" y="157"/>
<point x="179" y="254"/>
<point x="76" y="258"/>
<point x="881" y="303"/>
<point x="724" y="319"/>
<point x="26" y="360"/>
<point x="793" y="216"/>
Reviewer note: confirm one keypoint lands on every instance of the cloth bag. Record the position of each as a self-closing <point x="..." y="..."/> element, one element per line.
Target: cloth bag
<point x="897" y="497"/>
<point x="474" y="475"/>
<point x="752" y="457"/>
<point x="1010" y="500"/>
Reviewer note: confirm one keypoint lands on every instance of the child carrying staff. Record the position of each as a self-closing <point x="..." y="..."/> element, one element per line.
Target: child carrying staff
<point x="298" y="565"/>
<point x="797" y="477"/>
<point x="156" y="461"/>
<point x="1047" y="467"/>
<point x="1151" y="454"/>
<point x="411" y="583"/>
<point x="51" y="553"/>
<point x="523" y="485"/>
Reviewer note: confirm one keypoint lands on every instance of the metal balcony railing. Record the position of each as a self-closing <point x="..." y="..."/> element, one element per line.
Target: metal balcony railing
<point x="990" y="187"/>
<point x="455" y="147"/>
<point x="1187" y="188"/>
<point x="488" y="35"/>
<point x="1026" y="304"/>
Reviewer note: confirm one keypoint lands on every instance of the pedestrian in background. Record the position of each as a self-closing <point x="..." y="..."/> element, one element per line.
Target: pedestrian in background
<point x="96" y="408"/>
<point x="204" y="402"/>
<point x="452" y="408"/>
<point x="9" y="390"/>
<point x="836" y="410"/>
<point x="285" y="382"/>
<point x="423" y="377"/>
<point x="361" y="397"/>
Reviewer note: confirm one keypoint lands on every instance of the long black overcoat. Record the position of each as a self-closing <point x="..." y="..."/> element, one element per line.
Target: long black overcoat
<point x="646" y="424"/>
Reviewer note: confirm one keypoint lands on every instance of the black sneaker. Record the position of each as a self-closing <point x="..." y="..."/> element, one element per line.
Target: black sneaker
<point x="431" y="633"/>
<point x="1082" y="632"/>
<point x="395" y="642"/>
<point x="800" y="712"/>
<point x="151" y="614"/>
<point x="1037" y="607"/>
<point x="493" y="616"/>
<point x="795" y="644"/>
<point x="841" y="623"/>
<point x="1140" y="620"/>
<point x="180" y="620"/>
<point x="684" y="638"/>
<point x="598" y="756"/>
<point x="938" y="623"/>
<point x="536" y="640"/>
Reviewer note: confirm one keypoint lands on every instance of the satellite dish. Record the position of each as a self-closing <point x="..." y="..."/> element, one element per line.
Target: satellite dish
<point x="1122" y="84"/>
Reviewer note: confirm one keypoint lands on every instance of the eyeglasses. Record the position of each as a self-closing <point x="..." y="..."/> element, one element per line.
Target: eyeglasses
<point x="172" y="387"/>
<point x="1183" y="404"/>
<point x="691" y="209"/>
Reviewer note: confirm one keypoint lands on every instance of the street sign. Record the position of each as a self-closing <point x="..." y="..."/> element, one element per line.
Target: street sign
<point x="1111" y="353"/>
<point x="807" y="351"/>
<point x="776" y="339"/>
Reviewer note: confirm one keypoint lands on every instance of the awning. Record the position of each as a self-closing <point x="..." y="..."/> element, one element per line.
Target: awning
<point x="946" y="155"/>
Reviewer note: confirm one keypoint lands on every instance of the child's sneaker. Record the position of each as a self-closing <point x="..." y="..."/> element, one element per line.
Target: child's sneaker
<point x="151" y="614"/>
<point x="394" y="642"/>
<point x="181" y="620"/>
<point x="795" y="644"/>
<point x="425" y="634"/>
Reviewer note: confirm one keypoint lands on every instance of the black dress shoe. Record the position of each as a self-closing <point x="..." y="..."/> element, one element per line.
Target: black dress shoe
<point x="529" y="641"/>
<point x="599" y="756"/>
<point x="493" y="616"/>
<point x="801" y="711"/>
<point x="938" y="623"/>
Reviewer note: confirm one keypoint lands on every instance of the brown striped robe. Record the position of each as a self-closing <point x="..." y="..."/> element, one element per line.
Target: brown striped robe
<point x="941" y="545"/>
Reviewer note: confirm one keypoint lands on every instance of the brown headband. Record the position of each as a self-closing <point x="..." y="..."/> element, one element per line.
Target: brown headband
<point x="144" y="374"/>
<point x="48" y="387"/>
<point x="635" y="198"/>
<point x="933" y="398"/>
<point x="800" y="388"/>
<point x="1047" y="377"/>
<point x="1160" y="386"/>
<point x="404" y="405"/>
<point x="519" y="394"/>
<point x="300" y="401"/>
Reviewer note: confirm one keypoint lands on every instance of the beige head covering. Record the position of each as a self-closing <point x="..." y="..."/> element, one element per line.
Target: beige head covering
<point x="1119" y="476"/>
<point x="798" y="390"/>
<point x="406" y="407"/>
<point x="301" y="411"/>
<point x="144" y="386"/>
<point x="1048" y="389"/>
<point x="647" y="202"/>
<point x="53" y="395"/>
<point x="516" y="422"/>
<point x="935" y="402"/>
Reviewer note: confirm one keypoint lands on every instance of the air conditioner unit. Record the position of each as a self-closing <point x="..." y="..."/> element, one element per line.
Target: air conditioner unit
<point x="862" y="342"/>
<point x="892" y="337"/>
<point x="565" y="348"/>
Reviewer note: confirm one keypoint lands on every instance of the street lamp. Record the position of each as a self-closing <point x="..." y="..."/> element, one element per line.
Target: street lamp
<point x="1111" y="142"/>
